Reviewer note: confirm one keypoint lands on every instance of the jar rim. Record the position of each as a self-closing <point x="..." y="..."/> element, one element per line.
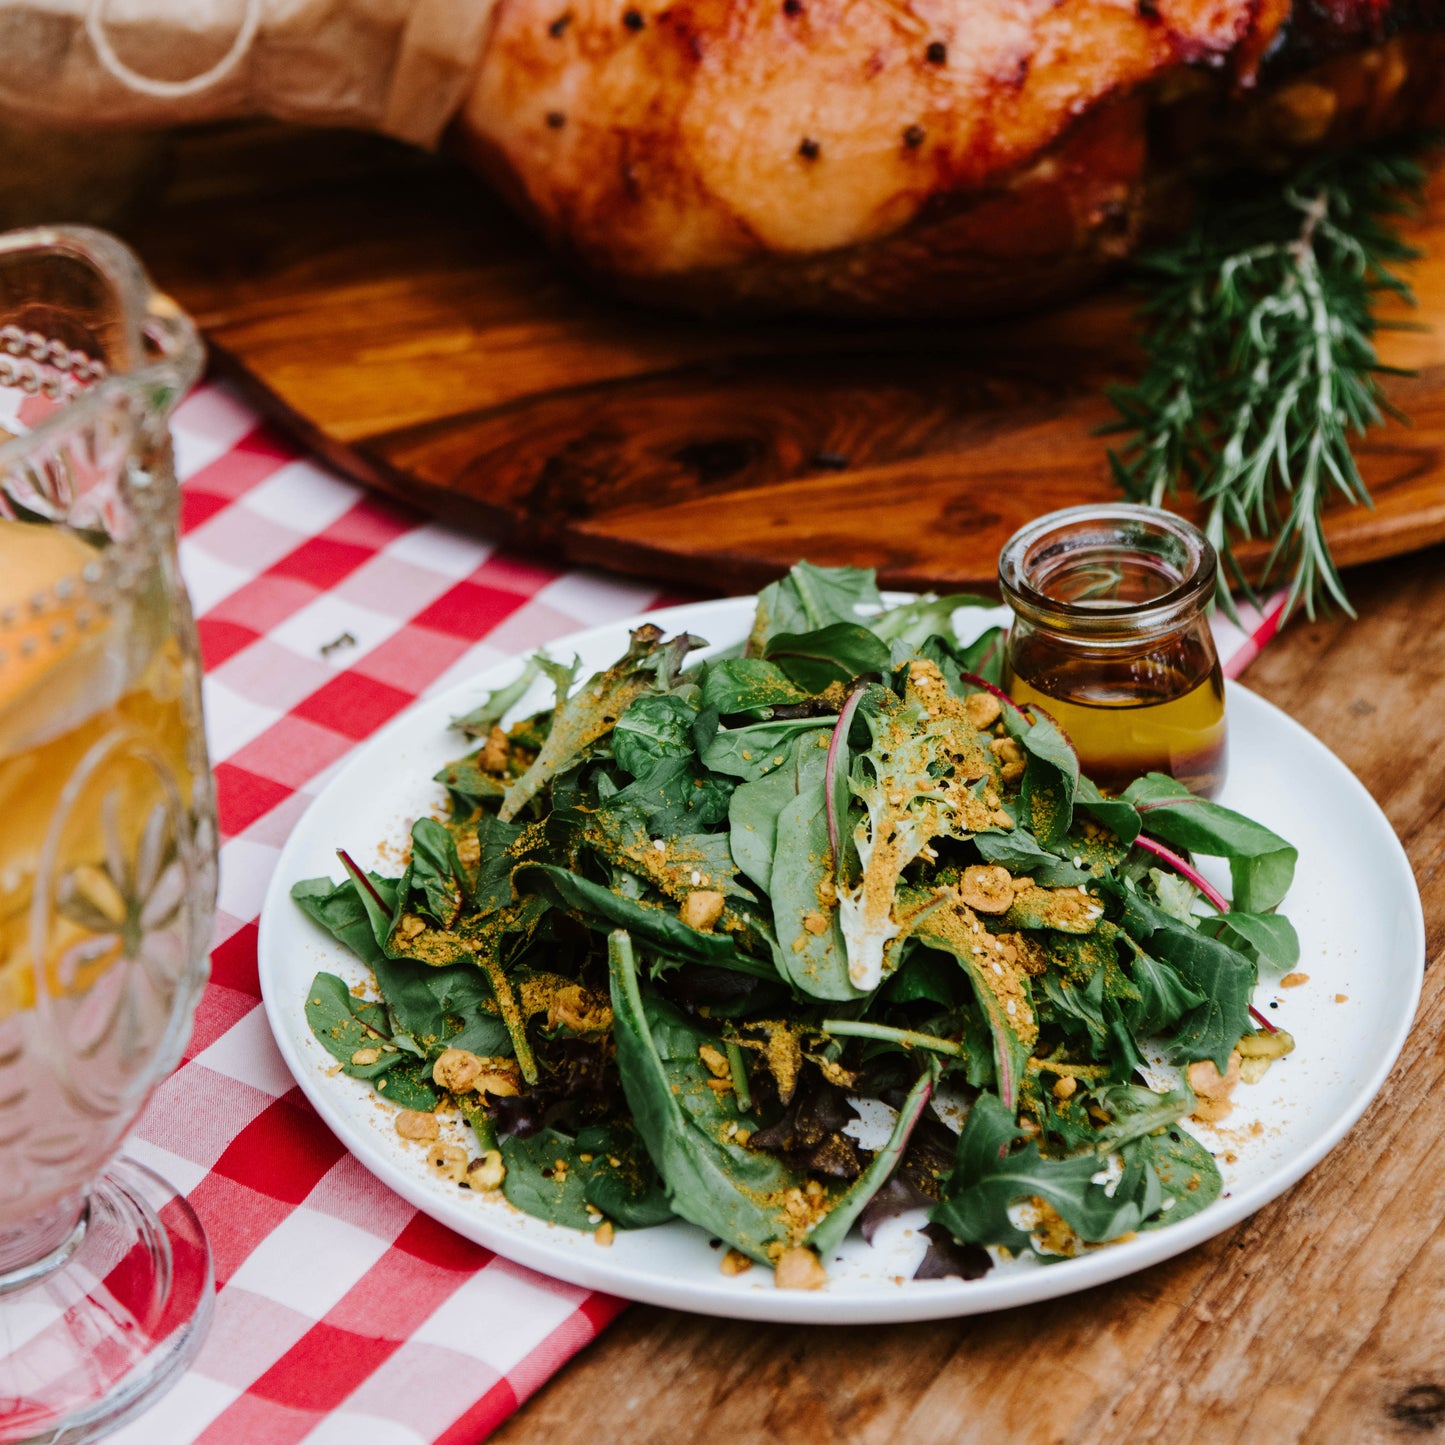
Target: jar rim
<point x="1120" y="528"/>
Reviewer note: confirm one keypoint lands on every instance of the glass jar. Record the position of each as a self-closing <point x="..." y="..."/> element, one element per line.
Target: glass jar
<point x="1110" y="638"/>
<point x="108" y="850"/>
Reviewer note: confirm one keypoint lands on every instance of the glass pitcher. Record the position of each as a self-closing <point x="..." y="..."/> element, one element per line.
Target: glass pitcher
<point x="107" y="836"/>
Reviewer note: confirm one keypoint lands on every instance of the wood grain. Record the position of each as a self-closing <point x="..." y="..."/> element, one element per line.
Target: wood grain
<point x="385" y="307"/>
<point x="1316" y="1320"/>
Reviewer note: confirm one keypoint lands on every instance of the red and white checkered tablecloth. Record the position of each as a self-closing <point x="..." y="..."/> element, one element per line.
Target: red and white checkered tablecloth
<point x="343" y="1315"/>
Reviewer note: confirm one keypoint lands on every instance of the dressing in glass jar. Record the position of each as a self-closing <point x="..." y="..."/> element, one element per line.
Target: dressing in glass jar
<point x="1110" y="638"/>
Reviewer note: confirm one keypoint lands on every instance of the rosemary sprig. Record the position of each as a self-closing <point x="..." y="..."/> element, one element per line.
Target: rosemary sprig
<point x="1261" y="365"/>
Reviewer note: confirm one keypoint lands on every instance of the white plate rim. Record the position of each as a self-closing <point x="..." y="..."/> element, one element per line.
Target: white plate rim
<point x="913" y="1301"/>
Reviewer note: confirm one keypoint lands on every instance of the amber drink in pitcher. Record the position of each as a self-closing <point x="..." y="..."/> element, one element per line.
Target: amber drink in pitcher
<point x="1110" y="638"/>
<point x="107" y="837"/>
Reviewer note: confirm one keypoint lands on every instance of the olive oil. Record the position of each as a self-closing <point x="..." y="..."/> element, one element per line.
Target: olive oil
<point x="1139" y="717"/>
<point x="1110" y="639"/>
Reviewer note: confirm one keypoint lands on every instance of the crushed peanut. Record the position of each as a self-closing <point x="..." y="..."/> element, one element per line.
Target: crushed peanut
<point x="1293" y="980"/>
<point x="486" y="1172"/>
<point x="987" y="888"/>
<point x="456" y="1070"/>
<point x="604" y="1234"/>
<point x="449" y="1161"/>
<point x="735" y="1262"/>
<point x="982" y="709"/>
<point x="366" y="1056"/>
<point x="702" y="908"/>
<point x="799" y="1268"/>
<point x="413" y="1124"/>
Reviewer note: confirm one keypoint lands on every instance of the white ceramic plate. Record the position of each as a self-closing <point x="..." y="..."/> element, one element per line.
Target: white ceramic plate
<point x="1354" y="902"/>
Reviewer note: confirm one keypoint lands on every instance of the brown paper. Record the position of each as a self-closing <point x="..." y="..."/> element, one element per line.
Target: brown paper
<point x="399" y="66"/>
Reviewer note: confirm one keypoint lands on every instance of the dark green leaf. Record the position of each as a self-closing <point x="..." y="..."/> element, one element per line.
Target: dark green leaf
<point x="747" y="685"/>
<point x="837" y="653"/>
<point x="1269" y="938"/>
<point x="651" y="729"/>
<point x="1224" y="978"/>
<point x="753" y="752"/>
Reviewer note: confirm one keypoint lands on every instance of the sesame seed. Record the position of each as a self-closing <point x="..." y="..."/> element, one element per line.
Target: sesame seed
<point x="937" y="53"/>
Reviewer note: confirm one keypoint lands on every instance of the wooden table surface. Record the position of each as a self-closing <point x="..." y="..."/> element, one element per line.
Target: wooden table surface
<point x="1322" y="1318"/>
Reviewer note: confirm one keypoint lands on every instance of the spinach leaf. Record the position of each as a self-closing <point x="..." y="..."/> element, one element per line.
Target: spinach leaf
<point x="339" y="909"/>
<point x="1019" y="853"/>
<point x="621" y="1181"/>
<point x="813" y="953"/>
<point x="653" y="728"/>
<point x="676" y="795"/>
<point x="343" y="1025"/>
<point x="1269" y="938"/>
<point x="753" y="752"/>
<point x="1114" y="813"/>
<point x="1187" y="1173"/>
<point x="809" y="598"/>
<point x="754" y="808"/>
<point x="1261" y="863"/>
<point x="747" y="685"/>
<point x="497" y="841"/>
<point x="1225" y="979"/>
<point x="535" y="1185"/>
<point x="915" y="622"/>
<point x="450" y="1006"/>
<point x="837" y="653"/>
<point x="711" y="1180"/>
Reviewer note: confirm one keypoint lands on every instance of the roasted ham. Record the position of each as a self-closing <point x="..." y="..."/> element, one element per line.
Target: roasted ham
<point x="915" y="156"/>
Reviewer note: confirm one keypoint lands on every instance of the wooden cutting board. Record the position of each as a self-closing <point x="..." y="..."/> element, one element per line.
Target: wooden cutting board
<point x="388" y="309"/>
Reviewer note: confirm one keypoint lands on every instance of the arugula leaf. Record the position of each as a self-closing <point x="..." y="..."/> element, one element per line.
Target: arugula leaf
<point x="711" y="1180"/>
<point x="837" y="653"/>
<point x="988" y="1179"/>
<point x="436" y="871"/>
<point x="1051" y="776"/>
<point x="1261" y="863"/>
<point x="495" y="706"/>
<point x="583" y="718"/>
<point x="651" y="729"/>
<point x="465" y="778"/>
<point x="809" y="598"/>
<point x="1164" y="997"/>
<point x="1000" y="985"/>
<point x="748" y="685"/>
<point x="497" y="842"/>
<point x="603" y="908"/>
<point x="1224" y="978"/>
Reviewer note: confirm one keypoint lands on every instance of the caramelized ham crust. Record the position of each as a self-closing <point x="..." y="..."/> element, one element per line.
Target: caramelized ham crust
<point x="914" y="156"/>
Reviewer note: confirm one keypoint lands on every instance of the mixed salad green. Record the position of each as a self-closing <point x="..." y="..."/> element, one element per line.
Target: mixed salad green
<point x="671" y="927"/>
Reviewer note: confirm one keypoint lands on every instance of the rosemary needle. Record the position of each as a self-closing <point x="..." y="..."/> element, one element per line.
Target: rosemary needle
<point x="1258" y="333"/>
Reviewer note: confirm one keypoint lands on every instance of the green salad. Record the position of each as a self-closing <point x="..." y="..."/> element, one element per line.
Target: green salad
<point x="673" y="929"/>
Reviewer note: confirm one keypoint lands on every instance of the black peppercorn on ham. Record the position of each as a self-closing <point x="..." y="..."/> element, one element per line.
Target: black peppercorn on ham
<point x="914" y="156"/>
